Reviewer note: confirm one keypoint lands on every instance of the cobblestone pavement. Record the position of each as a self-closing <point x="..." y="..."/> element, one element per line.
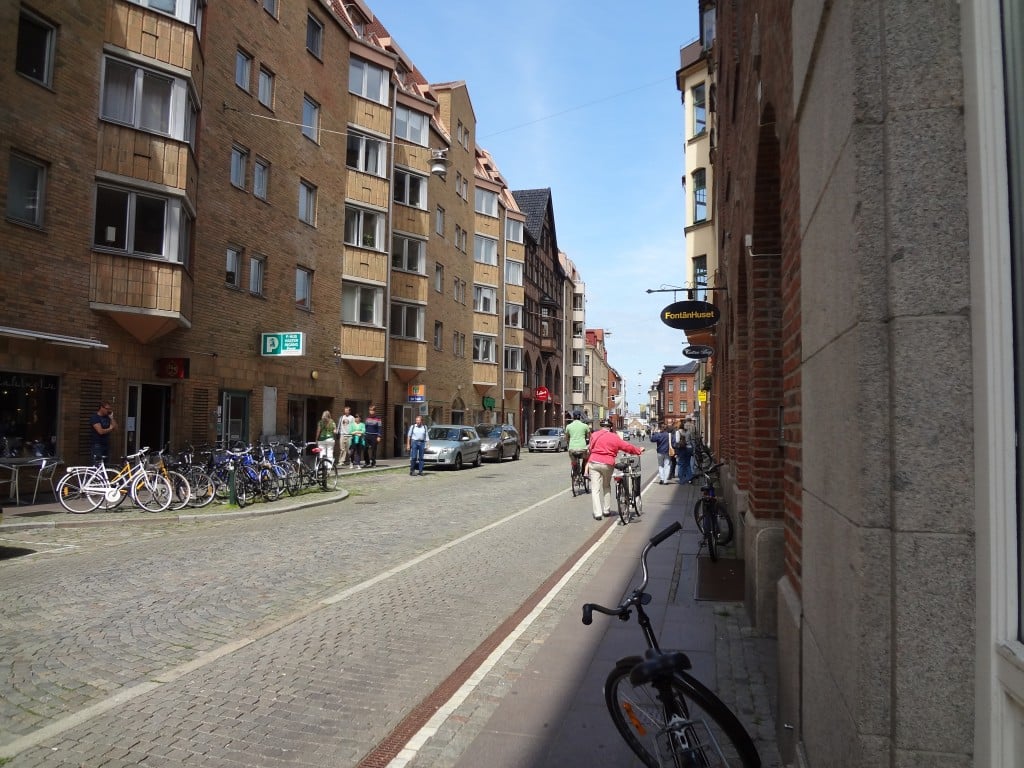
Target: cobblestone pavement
<point x="301" y="638"/>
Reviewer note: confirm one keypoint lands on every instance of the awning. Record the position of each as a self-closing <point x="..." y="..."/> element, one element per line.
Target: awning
<point x="52" y="338"/>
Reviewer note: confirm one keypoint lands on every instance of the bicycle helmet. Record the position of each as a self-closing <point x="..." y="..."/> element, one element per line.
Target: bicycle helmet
<point x="607" y="423"/>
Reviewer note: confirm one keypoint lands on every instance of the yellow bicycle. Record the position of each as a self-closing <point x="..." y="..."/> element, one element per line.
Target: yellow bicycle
<point x="83" y="488"/>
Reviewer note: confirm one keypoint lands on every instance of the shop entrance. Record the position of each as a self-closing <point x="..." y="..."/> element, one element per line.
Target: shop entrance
<point x="147" y="418"/>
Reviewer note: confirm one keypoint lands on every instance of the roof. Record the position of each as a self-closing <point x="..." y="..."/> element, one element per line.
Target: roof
<point x="684" y="369"/>
<point x="534" y="203"/>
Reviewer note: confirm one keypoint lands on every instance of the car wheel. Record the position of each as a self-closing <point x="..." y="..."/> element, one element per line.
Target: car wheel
<point x="515" y="456"/>
<point x="530" y="450"/>
<point x="479" y="461"/>
<point x="458" y="462"/>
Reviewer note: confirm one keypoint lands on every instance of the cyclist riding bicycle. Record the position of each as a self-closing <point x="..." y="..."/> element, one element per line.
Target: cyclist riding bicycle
<point x="579" y="435"/>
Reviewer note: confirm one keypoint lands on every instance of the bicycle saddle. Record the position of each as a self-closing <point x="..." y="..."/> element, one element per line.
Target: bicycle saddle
<point x="658" y="664"/>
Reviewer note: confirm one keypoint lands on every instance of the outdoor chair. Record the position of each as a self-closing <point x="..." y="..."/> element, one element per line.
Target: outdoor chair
<point x="47" y="468"/>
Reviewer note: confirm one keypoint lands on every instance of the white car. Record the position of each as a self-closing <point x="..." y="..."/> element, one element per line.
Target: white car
<point x="452" y="445"/>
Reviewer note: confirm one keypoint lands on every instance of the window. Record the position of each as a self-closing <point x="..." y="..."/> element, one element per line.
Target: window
<point x="486" y="202"/>
<point x="141" y="224"/>
<point x="36" y="43"/>
<point x="270" y="6"/>
<point x="513" y="358"/>
<point x="439" y="278"/>
<point x="459" y="290"/>
<point x="577" y="383"/>
<point x="265" y="93"/>
<point x="514" y="230"/>
<point x="700" y="195"/>
<point x="671" y="406"/>
<point x="303" y="288"/>
<point x="233" y="267"/>
<point x="147" y="100"/>
<point x="364" y="229"/>
<point x="310" y="119"/>
<point x="307" y="203"/>
<point x="514" y="272"/>
<point x="411" y="125"/>
<point x="485" y="299"/>
<point x="260" y="178"/>
<point x="243" y="70"/>
<point x="410" y="189"/>
<point x="26" y="186"/>
<point x="461" y="238"/>
<point x="670" y="384"/>
<point x="367" y="80"/>
<point x="459" y="344"/>
<point x="408" y="254"/>
<point x="365" y="153"/>
<point x="682" y="387"/>
<point x="239" y="166"/>
<point x="513" y="315"/>
<point x="362" y="304"/>
<point x="407" y="321"/>
<point x="700" y="115"/>
<point x="314" y="35"/>
<point x="184" y="10"/>
<point x="257" y="270"/>
<point x="700" y="276"/>
<point x="439" y="221"/>
<point x="578" y="358"/>
<point x="438" y="335"/>
<point x="484" y="349"/>
<point x="485" y="250"/>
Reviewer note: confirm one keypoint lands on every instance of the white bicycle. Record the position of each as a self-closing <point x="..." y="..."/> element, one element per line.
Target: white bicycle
<point x="83" y="488"/>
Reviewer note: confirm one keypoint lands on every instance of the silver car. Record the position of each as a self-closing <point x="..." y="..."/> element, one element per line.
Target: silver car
<point x="498" y="441"/>
<point x="548" y="439"/>
<point x="452" y="445"/>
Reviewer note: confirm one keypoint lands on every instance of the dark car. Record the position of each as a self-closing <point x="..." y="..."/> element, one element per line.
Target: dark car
<point x="498" y="441"/>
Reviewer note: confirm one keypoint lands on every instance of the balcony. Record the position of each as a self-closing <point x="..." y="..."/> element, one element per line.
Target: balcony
<point x="548" y="345"/>
<point x="148" y="298"/>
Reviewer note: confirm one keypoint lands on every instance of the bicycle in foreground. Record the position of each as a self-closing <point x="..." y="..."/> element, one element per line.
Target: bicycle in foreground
<point x="578" y="479"/>
<point x="711" y="516"/>
<point x="84" y="488"/>
<point x="666" y="716"/>
<point x="626" y="478"/>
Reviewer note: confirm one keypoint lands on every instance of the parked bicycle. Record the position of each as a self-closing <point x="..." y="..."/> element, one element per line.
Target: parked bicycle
<point x="84" y="488"/>
<point x="666" y="716"/>
<point x="626" y="478"/>
<point x="578" y="479"/>
<point x="711" y="516"/>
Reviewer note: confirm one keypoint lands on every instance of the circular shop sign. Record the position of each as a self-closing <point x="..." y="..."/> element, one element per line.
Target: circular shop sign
<point x="541" y="393"/>
<point x="690" y="315"/>
<point x="698" y="352"/>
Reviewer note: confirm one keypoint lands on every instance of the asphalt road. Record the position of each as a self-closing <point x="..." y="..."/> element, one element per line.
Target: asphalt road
<point x="304" y="638"/>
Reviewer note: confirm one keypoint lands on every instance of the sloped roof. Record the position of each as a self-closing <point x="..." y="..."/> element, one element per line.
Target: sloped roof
<point x="534" y="203"/>
<point x="685" y="368"/>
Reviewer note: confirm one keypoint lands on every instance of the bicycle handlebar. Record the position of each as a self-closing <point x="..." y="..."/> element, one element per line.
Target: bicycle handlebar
<point x="622" y="611"/>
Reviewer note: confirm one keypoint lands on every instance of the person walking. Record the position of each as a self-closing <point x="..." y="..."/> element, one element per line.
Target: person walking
<point x="663" y="440"/>
<point x="685" y="453"/>
<point x="357" y="440"/>
<point x="325" y="429"/>
<point x="101" y="424"/>
<point x="374" y="434"/>
<point x="344" y="436"/>
<point x="673" y="456"/>
<point x="579" y="436"/>
<point x="604" y="449"/>
<point x="415" y="444"/>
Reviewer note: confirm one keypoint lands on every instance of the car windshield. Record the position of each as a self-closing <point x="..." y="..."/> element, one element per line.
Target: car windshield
<point x="444" y="433"/>
<point x="488" y="430"/>
<point x="547" y="432"/>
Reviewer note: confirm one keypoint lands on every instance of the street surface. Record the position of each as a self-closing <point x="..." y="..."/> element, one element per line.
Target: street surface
<point x="303" y="638"/>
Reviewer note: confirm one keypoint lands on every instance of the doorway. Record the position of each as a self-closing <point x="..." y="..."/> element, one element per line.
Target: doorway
<point x="147" y="418"/>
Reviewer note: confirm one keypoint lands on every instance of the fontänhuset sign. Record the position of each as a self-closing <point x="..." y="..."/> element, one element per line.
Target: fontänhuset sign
<point x="690" y="315"/>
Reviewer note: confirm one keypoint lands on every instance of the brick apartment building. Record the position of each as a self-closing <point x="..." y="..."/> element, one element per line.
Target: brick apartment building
<point x="228" y="217"/>
<point x="677" y="392"/>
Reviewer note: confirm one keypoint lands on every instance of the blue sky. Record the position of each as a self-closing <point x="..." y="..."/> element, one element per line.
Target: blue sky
<point x="580" y="97"/>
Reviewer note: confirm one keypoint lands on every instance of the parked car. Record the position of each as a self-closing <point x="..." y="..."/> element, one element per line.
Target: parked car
<point x="548" y="439"/>
<point x="452" y="445"/>
<point x="498" y="441"/>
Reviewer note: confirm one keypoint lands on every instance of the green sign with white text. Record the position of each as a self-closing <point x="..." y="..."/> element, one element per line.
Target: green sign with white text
<point x="283" y="344"/>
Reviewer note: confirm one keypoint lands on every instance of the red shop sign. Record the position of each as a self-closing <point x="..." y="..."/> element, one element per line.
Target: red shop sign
<point x="541" y="393"/>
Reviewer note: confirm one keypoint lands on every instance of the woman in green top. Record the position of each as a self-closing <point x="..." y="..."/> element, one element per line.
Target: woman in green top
<point x="325" y="436"/>
<point x="357" y="441"/>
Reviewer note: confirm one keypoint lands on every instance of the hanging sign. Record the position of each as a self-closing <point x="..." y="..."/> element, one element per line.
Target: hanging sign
<point x="541" y="393"/>
<point x="417" y="393"/>
<point x="690" y="315"/>
<point x="698" y="351"/>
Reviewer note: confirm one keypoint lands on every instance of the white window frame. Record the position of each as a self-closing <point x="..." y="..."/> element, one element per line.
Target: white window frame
<point x="233" y="266"/>
<point x="439" y="277"/>
<point x="270" y="6"/>
<point x="314" y="35"/>
<point x="514" y="359"/>
<point x="514" y="314"/>
<point x="485" y="349"/>
<point x="438" y="335"/>
<point x="439" y="221"/>
<point x="408" y="254"/>
<point x="361" y="75"/>
<point x="485" y="299"/>
<point x="176" y="224"/>
<point x="49" y="46"/>
<point x="265" y="88"/>
<point x="366" y="154"/>
<point x="148" y="87"/>
<point x="183" y="10"/>
<point x="303" y="288"/>
<point x="514" y="272"/>
<point x="310" y="118"/>
<point x="257" y="275"/>
<point x="26" y="201"/>
<point x="261" y="178"/>
<point x="411" y="125"/>
<point x="364" y="228"/>
<point x="243" y="70"/>
<point x="410" y="189"/>
<point x="362" y="304"/>
<point x="485" y="202"/>
<point x="513" y="230"/>
<point x="239" y="166"/>
<point x="307" y="202"/>
<point x="485" y="250"/>
<point x="407" y="321"/>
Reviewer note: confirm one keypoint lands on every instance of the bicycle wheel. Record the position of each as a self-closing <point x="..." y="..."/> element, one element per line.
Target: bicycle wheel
<point x="75" y="493"/>
<point x="573" y="484"/>
<point x="638" y="500"/>
<point x="622" y="499"/>
<point x="246" y="489"/>
<point x="703" y="733"/>
<point x="711" y="532"/>
<point x="724" y="524"/>
<point x="203" y="488"/>
<point x="181" y="490"/>
<point x="271" y="486"/>
<point x="152" y="492"/>
<point x="328" y="476"/>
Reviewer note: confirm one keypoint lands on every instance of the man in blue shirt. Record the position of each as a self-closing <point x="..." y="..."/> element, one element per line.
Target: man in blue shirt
<point x="374" y="435"/>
